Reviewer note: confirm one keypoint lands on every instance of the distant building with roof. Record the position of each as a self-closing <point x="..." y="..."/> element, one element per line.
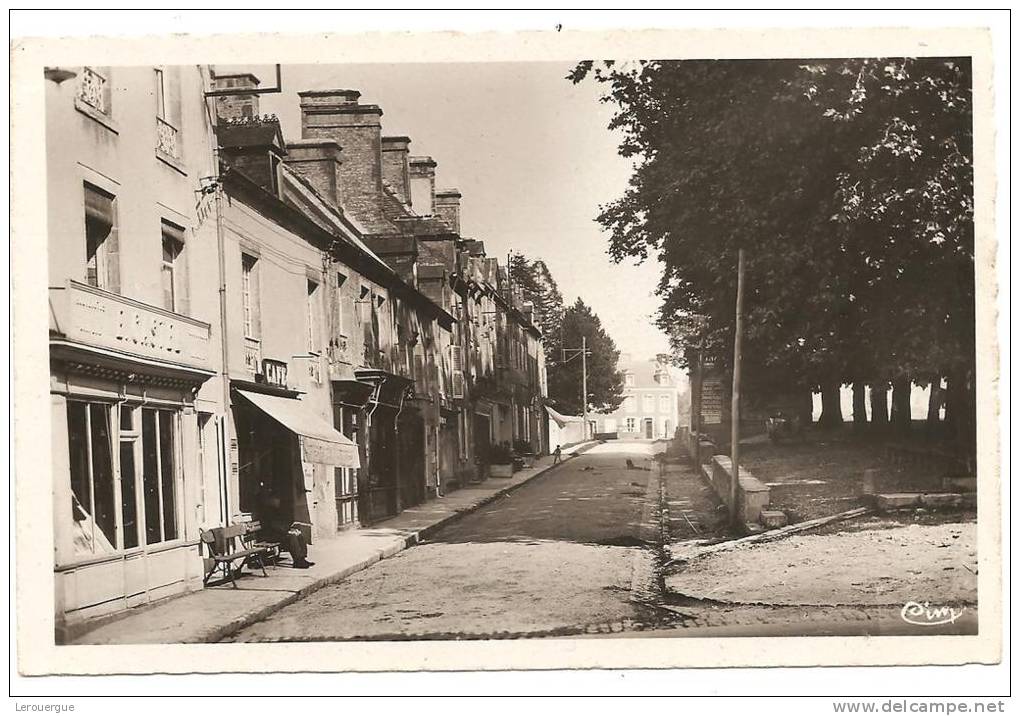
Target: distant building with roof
<point x="651" y="403"/>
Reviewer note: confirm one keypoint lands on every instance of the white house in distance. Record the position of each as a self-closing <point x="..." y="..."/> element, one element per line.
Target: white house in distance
<point x="651" y="405"/>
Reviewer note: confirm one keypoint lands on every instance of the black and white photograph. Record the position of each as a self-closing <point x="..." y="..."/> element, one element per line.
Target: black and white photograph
<point x="599" y="349"/>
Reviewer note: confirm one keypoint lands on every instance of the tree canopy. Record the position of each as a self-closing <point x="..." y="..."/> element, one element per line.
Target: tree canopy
<point x="605" y="382"/>
<point x="848" y="182"/>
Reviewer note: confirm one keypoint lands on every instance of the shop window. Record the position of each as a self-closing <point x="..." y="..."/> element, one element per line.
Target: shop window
<point x="101" y="246"/>
<point x="158" y="476"/>
<point x="129" y="444"/>
<point x="92" y="482"/>
<point x="115" y="503"/>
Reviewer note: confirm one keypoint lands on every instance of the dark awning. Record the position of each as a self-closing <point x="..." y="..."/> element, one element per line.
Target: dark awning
<point x="352" y="393"/>
<point x="320" y="441"/>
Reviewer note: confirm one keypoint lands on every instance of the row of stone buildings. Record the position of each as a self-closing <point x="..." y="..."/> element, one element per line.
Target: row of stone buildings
<point x="235" y="313"/>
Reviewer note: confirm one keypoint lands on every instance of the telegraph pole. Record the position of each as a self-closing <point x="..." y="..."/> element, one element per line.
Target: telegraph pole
<point x="584" y="384"/>
<point x="735" y="404"/>
<point x="584" y="353"/>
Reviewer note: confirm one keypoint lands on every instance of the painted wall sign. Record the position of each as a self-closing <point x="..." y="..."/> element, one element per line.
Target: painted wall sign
<point x="103" y="319"/>
<point x="711" y="401"/>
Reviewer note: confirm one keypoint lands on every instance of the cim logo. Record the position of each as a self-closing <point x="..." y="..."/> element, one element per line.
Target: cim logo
<point x="927" y="614"/>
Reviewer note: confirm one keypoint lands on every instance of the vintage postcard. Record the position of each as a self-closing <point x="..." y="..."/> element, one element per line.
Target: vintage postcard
<point x="486" y="351"/>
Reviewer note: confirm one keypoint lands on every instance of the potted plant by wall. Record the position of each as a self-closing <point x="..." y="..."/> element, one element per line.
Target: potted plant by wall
<point x="522" y="448"/>
<point x="501" y="461"/>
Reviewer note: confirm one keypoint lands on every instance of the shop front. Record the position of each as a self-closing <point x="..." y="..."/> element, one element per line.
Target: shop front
<point x="379" y="491"/>
<point x="288" y="458"/>
<point x="134" y="453"/>
<point x="350" y="400"/>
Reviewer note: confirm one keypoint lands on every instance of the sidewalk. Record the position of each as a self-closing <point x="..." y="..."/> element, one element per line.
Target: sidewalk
<point x="217" y="612"/>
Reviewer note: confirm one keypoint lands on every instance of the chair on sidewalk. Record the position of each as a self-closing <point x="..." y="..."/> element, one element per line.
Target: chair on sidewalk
<point x="254" y="538"/>
<point x="222" y="543"/>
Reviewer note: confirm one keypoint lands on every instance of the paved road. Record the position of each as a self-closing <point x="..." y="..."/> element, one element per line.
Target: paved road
<point x="575" y="552"/>
<point x="562" y="555"/>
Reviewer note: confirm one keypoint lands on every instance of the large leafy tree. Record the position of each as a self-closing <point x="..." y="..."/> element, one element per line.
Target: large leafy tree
<point x="847" y="182"/>
<point x="605" y="382"/>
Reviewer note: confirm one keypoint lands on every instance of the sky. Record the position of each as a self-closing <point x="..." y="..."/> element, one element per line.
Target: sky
<point x="532" y="156"/>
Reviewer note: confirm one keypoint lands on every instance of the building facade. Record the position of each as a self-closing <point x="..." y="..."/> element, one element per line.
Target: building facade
<point x="650" y="408"/>
<point x="136" y="397"/>
<point x="236" y="316"/>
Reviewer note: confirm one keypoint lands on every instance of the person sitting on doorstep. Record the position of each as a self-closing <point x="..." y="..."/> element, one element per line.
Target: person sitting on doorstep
<point x="277" y="527"/>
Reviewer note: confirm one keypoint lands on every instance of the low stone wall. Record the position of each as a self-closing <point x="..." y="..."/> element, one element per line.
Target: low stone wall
<point x="752" y="493"/>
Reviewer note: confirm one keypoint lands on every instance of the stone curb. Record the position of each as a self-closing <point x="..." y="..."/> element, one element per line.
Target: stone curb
<point x="234" y="626"/>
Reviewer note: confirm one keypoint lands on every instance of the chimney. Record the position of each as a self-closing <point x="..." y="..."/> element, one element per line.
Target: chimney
<point x="336" y="114"/>
<point x="395" y="170"/>
<point x="423" y="185"/>
<point x="236" y="106"/>
<point x="318" y="162"/>
<point x="448" y="208"/>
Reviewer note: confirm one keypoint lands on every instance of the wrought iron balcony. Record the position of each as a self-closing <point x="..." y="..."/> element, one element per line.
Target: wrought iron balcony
<point x="92" y="89"/>
<point x="252" y="355"/>
<point x="166" y="138"/>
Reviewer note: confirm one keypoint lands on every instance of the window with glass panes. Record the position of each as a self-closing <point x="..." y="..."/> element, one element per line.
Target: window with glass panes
<point x="250" y="294"/>
<point x="101" y="268"/>
<point x="174" y="277"/>
<point x="123" y="474"/>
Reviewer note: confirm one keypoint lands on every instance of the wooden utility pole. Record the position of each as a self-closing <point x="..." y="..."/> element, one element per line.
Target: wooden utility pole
<point x="735" y="404"/>
<point x="584" y="384"/>
<point x="583" y="352"/>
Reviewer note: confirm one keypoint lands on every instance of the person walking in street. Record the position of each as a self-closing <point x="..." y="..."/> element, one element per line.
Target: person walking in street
<point x="557" y="455"/>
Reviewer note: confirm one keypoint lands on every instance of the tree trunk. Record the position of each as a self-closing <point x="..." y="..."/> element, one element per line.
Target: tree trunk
<point x="879" y="407"/>
<point x="860" y="407"/>
<point x="961" y="417"/>
<point x="935" y="398"/>
<point x="832" y="413"/>
<point x="901" y="406"/>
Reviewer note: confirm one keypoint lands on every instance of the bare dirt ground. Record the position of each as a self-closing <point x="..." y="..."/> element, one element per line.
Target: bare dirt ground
<point x="890" y="566"/>
<point x="822" y="473"/>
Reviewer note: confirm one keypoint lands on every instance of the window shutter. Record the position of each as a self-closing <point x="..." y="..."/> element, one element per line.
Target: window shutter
<point x="256" y="301"/>
<point x="457" y="370"/>
<point x="112" y="246"/>
<point x="420" y="381"/>
<point x="183" y="281"/>
<point x="336" y="324"/>
<point x="172" y="77"/>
